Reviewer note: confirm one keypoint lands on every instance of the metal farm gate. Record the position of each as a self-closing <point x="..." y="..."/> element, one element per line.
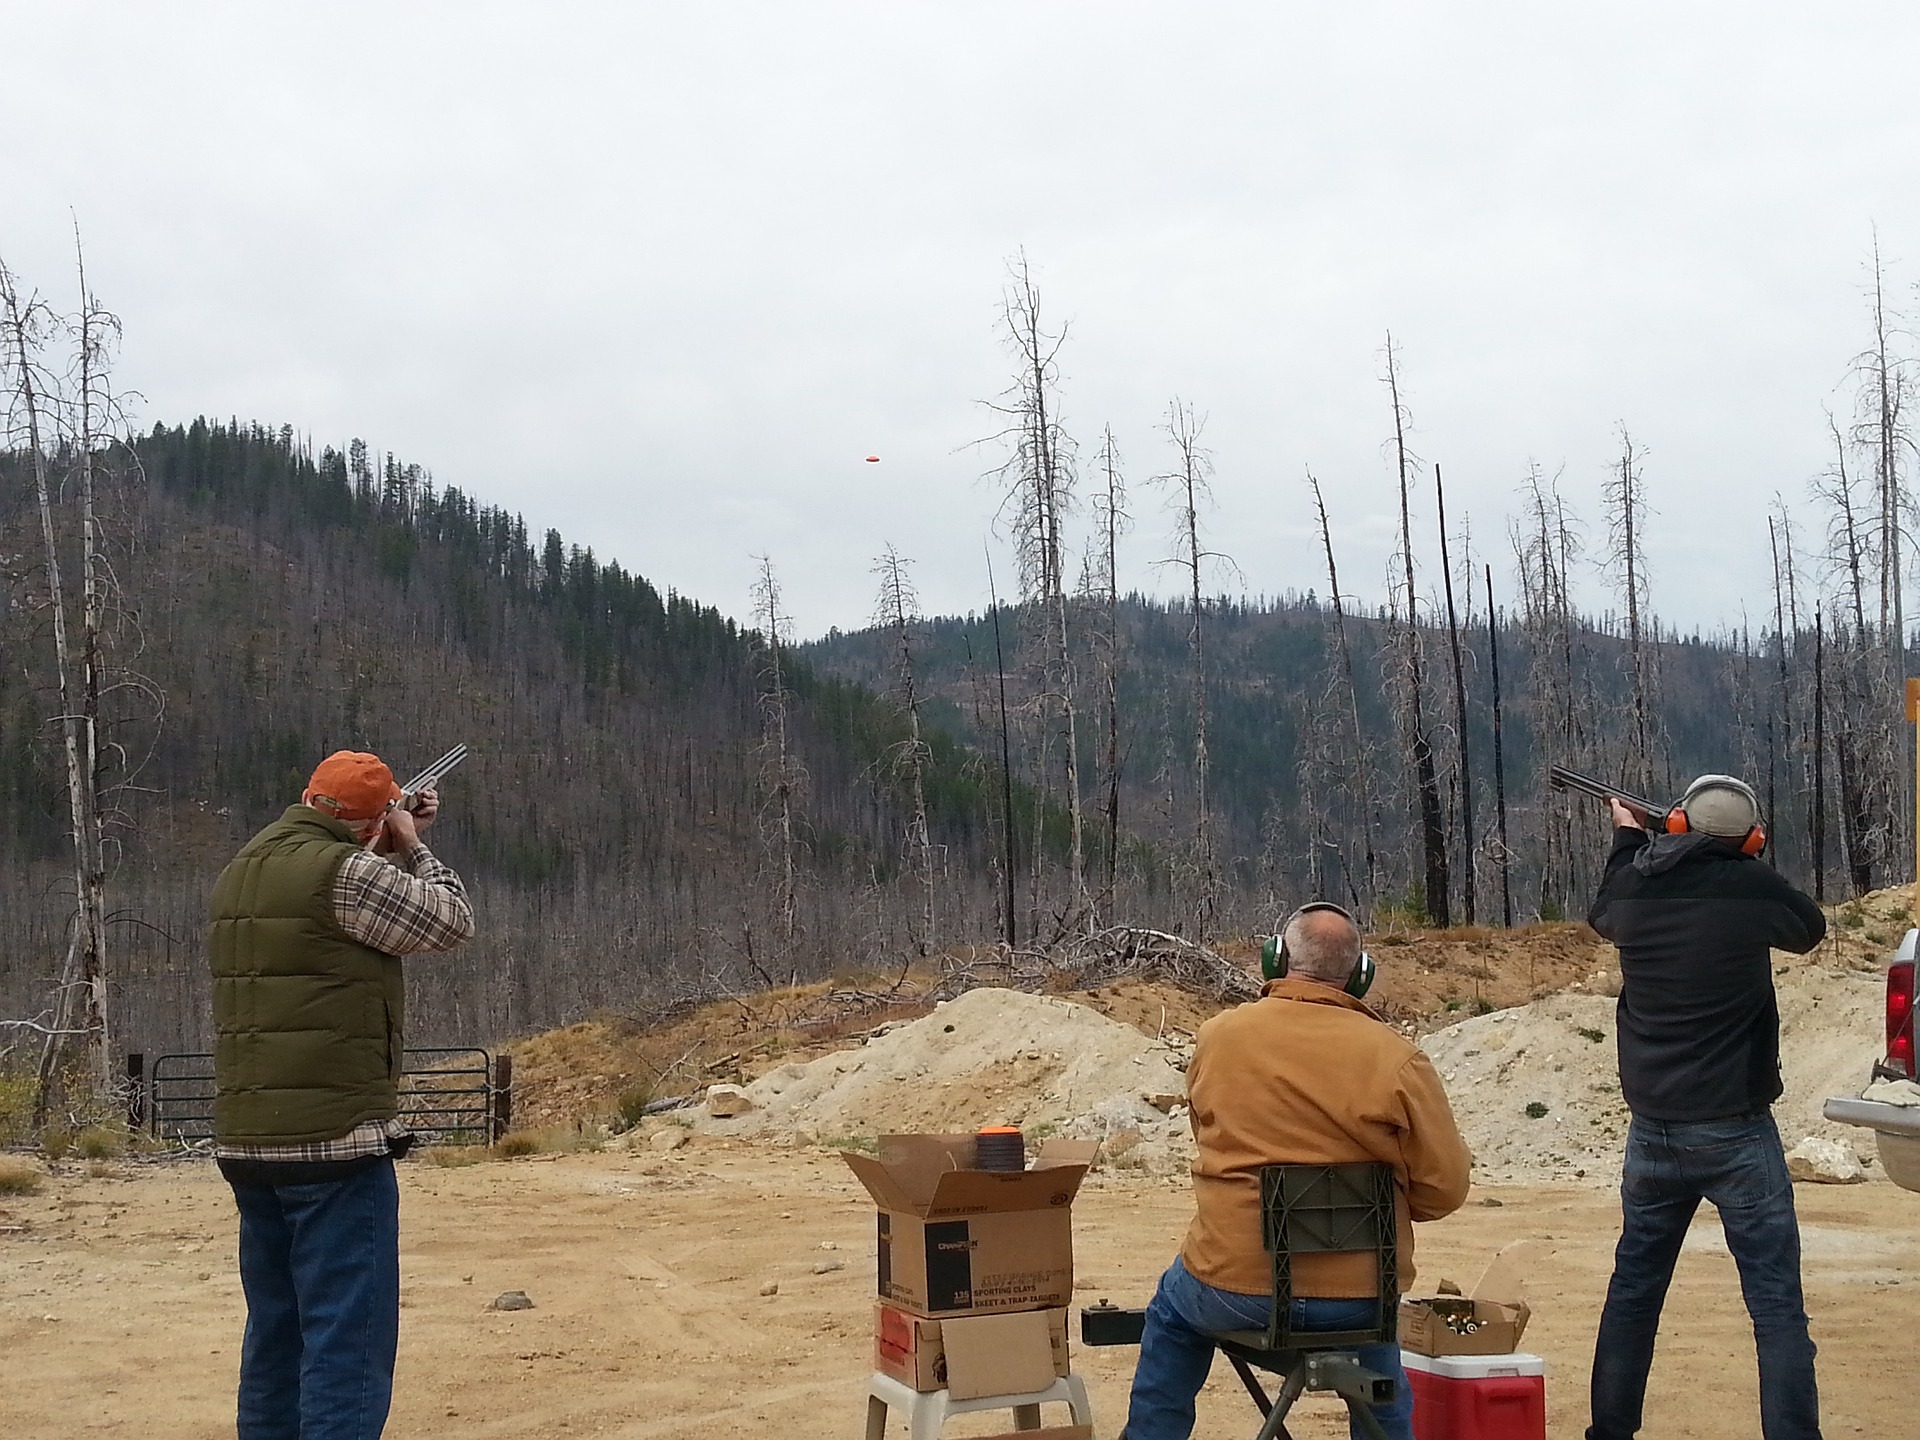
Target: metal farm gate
<point x="448" y="1096"/>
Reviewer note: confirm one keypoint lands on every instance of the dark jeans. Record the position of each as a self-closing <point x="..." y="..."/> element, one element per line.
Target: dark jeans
<point x="320" y="1265"/>
<point x="1670" y="1169"/>
<point x="1176" y="1352"/>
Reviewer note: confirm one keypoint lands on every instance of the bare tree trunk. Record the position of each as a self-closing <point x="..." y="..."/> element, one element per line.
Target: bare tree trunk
<point x="1113" y="517"/>
<point x="1433" y="830"/>
<point x="1362" y="778"/>
<point x="1039" y="476"/>
<point x="94" y="407"/>
<point x="1499" y="759"/>
<point x="1190" y="487"/>
<point x="1627" y="506"/>
<point x="898" y="610"/>
<point x="782" y="772"/>
<point x="1819" y="826"/>
<point x="1459" y="709"/>
<point x="1006" y="764"/>
<point x="24" y="322"/>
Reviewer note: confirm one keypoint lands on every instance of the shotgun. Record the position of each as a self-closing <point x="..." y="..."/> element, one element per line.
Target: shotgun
<point x="1561" y="778"/>
<point x="430" y="777"/>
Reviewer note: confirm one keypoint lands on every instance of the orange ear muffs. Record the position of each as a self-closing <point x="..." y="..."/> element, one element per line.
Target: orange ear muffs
<point x="1751" y="843"/>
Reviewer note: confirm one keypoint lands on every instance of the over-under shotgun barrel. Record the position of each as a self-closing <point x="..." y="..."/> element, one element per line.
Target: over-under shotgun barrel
<point x="432" y="775"/>
<point x="1561" y="778"/>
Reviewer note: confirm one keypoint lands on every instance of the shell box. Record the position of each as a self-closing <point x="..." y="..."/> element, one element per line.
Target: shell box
<point x="952" y="1240"/>
<point x="1478" y="1397"/>
<point x="1015" y="1353"/>
<point x="1496" y="1308"/>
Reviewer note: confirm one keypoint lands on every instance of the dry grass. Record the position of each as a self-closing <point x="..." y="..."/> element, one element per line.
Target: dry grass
<point x="101" y="1142"/>
<point x="20" y="1177"/>
<point x="453" y="1157"/>
<point x="543" y="1140"/>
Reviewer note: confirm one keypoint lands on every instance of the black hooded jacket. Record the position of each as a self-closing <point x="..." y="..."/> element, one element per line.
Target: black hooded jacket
<point x="1694" y="920"/>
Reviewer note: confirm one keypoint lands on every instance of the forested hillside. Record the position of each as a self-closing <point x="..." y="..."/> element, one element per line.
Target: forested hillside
<point x="1284" y="793"/>
<point x="616" y="821"/>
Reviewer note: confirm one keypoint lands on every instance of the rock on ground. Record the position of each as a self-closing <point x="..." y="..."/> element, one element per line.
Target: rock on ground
<point x="1824" y="1162"/>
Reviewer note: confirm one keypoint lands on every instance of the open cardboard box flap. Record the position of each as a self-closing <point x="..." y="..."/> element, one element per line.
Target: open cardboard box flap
<point x="1504" y="1281"/>
<point x="1500" y="1297"/>
<point x="926" y="1175"/>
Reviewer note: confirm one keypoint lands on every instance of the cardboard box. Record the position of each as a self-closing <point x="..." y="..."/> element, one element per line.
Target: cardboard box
<point x="957" y="1241"/>
<point x="1496" y="1307"/>
<point x="993" y="1355"/>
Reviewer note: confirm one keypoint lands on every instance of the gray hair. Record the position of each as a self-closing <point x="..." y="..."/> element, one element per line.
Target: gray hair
<point x="1324" y="944"/>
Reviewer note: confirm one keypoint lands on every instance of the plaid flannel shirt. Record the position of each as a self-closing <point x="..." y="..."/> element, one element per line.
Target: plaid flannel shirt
<point x="397" y="906"/>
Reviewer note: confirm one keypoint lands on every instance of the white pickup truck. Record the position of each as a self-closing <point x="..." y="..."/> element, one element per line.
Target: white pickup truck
<point x="1896" y="1127"/>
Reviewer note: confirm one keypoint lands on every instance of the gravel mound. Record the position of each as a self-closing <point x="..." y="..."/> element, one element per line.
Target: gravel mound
<point x="990" y="1057"/>
<point x="1536" y="1089"/>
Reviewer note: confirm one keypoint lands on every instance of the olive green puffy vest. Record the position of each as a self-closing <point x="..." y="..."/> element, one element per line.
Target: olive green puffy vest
<point x="307" y="1021"/>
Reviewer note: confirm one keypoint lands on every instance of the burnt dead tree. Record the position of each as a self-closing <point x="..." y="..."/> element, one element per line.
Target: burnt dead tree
<point x="1626" y="507"/>
<point x="1499" y="759"/>
<point x="898" y="611"/>
<point x="1357" y="752"/>
<point x="783" y="778"/>
<point x="1459" y="707"/>
<point x="1110" y="517"/>
<point x="1038" y="479"/>
<point x="67" y="428"/>
<point x="1189" y="488"/>
<point x="1412" y="681"/>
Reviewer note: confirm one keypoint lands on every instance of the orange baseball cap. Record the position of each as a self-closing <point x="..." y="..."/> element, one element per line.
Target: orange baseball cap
<point x="350" y="785"/>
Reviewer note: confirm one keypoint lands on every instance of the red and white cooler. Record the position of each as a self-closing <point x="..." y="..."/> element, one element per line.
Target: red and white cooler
<point x="1478" y="1397"/>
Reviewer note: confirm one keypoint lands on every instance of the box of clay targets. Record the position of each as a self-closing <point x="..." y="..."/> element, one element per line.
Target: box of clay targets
<point x="953" y="1240"/>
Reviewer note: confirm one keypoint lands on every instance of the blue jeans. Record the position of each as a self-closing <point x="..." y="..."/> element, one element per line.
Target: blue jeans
<point x="1177" y="1351"/>
<point x="1670" y="1169"/>
<point x="320" y="1265"/>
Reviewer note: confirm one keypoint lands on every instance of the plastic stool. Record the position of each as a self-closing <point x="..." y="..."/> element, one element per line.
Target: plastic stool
<point x="927" y="1410"/>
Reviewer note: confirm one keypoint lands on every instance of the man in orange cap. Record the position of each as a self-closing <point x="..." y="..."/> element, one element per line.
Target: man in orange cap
<point x="310" y="920"/>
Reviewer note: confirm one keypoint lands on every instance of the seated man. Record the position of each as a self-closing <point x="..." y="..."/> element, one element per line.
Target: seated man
<point x="1306" y="1074"/>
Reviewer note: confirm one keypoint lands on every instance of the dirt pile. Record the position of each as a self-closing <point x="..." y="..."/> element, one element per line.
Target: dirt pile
<point x="1536" y="1088"/>
<point x="989" y="1057"/>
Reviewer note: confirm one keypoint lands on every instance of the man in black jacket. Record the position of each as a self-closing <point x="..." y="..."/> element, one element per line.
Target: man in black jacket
<point x="1695" y="915"/>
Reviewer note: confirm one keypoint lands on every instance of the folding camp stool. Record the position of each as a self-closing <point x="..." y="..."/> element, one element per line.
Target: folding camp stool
<point x="1320" y="1210"/>
<point x="927" y="1410"/>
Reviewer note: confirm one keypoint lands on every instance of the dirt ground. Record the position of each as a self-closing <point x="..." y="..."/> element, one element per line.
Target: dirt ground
<point x="120" y="1310"/>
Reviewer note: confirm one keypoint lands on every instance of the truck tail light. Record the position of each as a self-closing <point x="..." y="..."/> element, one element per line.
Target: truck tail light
<point x="1900" y="1018"/>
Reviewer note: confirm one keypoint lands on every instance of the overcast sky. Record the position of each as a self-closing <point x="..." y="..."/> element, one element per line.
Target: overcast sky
<point x="662" y="276"/>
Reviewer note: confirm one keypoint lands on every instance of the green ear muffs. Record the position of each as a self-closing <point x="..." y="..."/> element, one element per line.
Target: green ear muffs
<point x="1273" y="953"/>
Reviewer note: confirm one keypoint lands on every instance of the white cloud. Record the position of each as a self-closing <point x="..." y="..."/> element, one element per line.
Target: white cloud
<point x="663" y="276"/>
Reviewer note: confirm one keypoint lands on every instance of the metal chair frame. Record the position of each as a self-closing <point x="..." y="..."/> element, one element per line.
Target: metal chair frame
<point x="1321" y="1210"/>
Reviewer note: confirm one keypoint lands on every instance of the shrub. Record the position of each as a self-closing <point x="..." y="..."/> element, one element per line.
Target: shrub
<point x="1482" y="1005"/>
<point x="100" y="1142"/>
<point x="555" y="1139"/>
<point x="633" y="1103"/>
<point x="16" y="1108"/>
<point x="1535" y="1110"/>
<point x="450" y="1157"/>
<point x="1596" y="1036"/>
<point x="57" y="1141"/>
<point x="19" y="1177"/>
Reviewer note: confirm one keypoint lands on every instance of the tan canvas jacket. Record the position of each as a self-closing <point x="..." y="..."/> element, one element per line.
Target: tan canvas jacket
<point x="1307" y="1074"/>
